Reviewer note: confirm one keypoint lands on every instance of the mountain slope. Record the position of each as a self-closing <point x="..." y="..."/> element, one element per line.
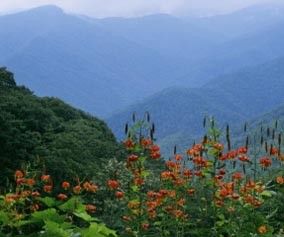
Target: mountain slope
<point x="79" y="61"/>
<point x="231" y="98"/>
<point x="61" y="140"/>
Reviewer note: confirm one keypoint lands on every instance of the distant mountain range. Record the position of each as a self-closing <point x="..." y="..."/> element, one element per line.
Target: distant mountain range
<point x="105" y="65"/>
<point x="232" y="98"/>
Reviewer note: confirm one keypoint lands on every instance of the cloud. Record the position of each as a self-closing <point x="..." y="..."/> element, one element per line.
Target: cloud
<point x="129" y="8"/>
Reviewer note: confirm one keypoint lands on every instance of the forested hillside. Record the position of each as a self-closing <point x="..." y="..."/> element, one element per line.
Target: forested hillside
<point x="48" y="134"/>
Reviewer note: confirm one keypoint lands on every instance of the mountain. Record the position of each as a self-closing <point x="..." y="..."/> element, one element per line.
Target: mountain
<point x="50" y="134"/>
<point x="105" y="65"/>
<point x="62" y="55"/>
<point x="231" y="98"/>
<point x="207" y="47"/>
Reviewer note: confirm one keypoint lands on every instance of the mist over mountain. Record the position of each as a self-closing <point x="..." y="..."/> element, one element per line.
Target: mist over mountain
<point x="233" y="98"/>
<point x="104" y="65"/>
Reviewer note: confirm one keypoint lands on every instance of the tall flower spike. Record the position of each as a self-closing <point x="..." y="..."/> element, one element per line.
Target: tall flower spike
<point x="153" y="128"/>
<point x="268" y="132"/>
<point x="204" y="122"/>
<point x="134" y="117"/>
<point x="126" y="129"/>
<point x="247" y="142"/>
<point x="228" y="137"/>
<point x="147" y="116"/>
<point x="261" y="140"/>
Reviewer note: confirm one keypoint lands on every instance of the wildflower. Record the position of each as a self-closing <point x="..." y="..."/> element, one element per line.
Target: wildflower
<point x="280" y="180"/>
<point x="91" y="208"/>
<point x="119" y="194"/>
<point x="9" y="198"/>
<point x="191" y="191"/>
<point x="35" y="194"/>
<point x="90" y="187"/>
<point x="146" y="142"/>
<point x="47" y="188"/>
<point x="242" y="150"/>
<point x="178" y="157"/>
<point x="20" y="181"/>
<point x="132" y="158"/>
<point x="34" y="207"/>
<point x="77" y="189"/>
<point x="45" y="178"/>
<point x="19" y="174"/>
<point x="218" y="146"/>
<point x="129" y="144"/>
<point x="145" y="226"/>
<point x="262" y="229"/>
<point x="155" y="155"/>
<point x="237" y="176"/>
<point x="30" y="182"/>
<point x="65" y="185"/>
<point x="244" y="158"/>
<point x="113" y="184"/>
<point x="62" y="196"/>
<point x="265" y="162"/>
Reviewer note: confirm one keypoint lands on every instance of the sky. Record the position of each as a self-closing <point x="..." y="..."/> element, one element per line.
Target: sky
<point x="132" y="8"/>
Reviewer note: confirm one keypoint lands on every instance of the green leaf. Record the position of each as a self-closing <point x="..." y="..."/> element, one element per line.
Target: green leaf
<point x="98" y="230"/>
<point x="47" y="215"/>
<point x="48" y="201"/>
<point x="53" y="229"/>
<point x="4" y="218"/>
<point x="72" y="205"/>
<point x="84" y="216"/>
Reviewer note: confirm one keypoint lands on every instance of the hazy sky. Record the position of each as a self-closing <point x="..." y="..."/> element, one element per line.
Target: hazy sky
<point x="129" y="8"/>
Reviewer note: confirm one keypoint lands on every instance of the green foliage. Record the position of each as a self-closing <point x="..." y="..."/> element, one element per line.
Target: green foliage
<point x="50" y="135"/>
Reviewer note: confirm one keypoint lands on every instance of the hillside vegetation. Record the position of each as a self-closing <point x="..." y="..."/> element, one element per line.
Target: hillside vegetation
<point x="48" y="133"/>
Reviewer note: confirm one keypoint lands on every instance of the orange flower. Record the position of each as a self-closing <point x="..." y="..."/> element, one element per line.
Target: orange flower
<point x="262" y="229"/>
<point x="155" y="155"/>
<point x="45" y="178"/>
<point x="20" y="181"/>
<point x="274" y="151"/>
<point x="9" y="198"/>
<point x="90" y="187"/>
<point x="19" y="174"/>
<point x="35" y="194"/>
<point x="178" y="157"/>
<point x="34" y="207"/>
<point x="62" y="196"/>
<point x="145" y="226"/>
<point x="91" y="208"/>
<point x="265" y="162"/>
<point x="280" y="180"/>
<point x="237" y="176"/>
<point x="244" y="158"/>
<point x="129" y="144"/>
<point x="191" y="191"/>
<point x="146" y="142"/>
<point x="132" y="158"/>
<point x="77" y="189"/>
<point x="112" y="184"/>
<point x="47" y="188"/>
<point x="119" y="194"/>
<point x="65" y="185"/>
<point x="242" y="150"/>
<point x="30" y="182"/>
